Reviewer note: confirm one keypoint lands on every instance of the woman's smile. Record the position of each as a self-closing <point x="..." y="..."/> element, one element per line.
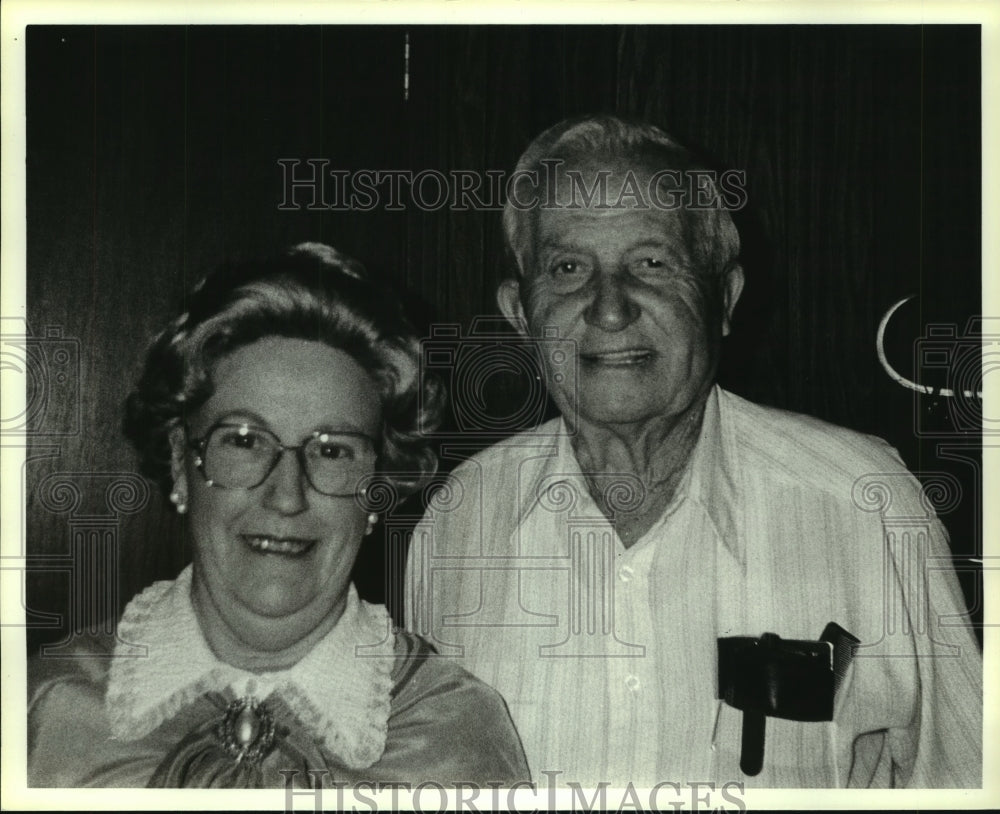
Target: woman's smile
<point x="282" y="546"/>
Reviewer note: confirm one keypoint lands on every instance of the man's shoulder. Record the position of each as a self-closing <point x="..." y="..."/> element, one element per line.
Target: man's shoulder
<point x="805" y="448"/>
<point x="538" y="442"/>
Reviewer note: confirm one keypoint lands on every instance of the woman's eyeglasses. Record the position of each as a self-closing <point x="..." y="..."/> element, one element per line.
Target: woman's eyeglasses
<point x="241" y="456"/>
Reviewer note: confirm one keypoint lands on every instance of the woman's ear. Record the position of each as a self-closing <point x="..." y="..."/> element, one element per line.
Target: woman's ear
<point x="178" y="453"/>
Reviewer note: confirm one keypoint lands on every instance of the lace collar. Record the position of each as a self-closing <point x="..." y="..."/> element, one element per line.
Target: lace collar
<point x="342" y="696"/>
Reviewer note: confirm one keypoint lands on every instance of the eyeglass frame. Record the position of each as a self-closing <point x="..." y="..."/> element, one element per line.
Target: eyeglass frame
<point x="200" y="446"/>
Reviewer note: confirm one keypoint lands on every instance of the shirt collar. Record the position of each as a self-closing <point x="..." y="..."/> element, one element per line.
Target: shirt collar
<point x="711" y="479"/>
<point x="715" y="472"/>
<point x="343" y="698"/>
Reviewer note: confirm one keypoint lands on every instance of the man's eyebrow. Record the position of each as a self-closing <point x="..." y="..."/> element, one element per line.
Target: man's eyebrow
<point x="549" y="244"/>
<point x="672" y="247"/>
<point x="666" y="242"/>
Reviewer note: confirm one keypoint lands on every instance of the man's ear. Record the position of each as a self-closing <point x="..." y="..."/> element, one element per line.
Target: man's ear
<point x="178" y="452"/>
<point x="509" y="300"/>
<point x="732" y="287"/>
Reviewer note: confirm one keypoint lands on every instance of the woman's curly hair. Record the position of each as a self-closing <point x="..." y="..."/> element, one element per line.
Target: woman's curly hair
<point x="311" y="292"/>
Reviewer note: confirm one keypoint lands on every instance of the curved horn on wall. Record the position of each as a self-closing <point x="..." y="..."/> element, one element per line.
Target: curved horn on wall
<point x="920" y="388"/>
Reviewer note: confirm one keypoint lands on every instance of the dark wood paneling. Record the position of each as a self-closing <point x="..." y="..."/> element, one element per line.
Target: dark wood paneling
<point x="152" y="156"/>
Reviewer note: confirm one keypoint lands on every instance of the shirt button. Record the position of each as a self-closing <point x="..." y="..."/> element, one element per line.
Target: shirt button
<point x="633" y="683"/>
<point x="625" y="574"/>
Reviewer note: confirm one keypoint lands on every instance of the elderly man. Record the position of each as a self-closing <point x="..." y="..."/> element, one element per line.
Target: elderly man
<point x="617" y="574"/>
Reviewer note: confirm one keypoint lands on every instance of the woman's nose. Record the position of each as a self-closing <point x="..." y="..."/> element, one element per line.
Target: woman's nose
<point x="612" y="307"/>
<point x="285" y="487"/>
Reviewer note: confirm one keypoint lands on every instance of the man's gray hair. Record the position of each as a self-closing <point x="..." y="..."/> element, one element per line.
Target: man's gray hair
<point x="712" y="236"/>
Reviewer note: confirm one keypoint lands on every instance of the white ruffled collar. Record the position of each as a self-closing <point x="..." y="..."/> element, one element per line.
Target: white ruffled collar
<point x="342" y="695"/>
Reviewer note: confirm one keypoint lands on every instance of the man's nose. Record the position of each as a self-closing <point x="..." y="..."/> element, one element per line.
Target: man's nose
<point x="285" y="487"/>
<point x="612" y="307"/>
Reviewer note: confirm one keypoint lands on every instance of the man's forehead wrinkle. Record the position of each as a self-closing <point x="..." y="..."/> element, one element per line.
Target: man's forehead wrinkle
<point x="558" y="226"/>
<point x="559" y="242"/>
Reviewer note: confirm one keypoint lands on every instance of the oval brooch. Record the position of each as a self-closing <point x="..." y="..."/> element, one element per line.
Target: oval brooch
<point x="247" y="730"/>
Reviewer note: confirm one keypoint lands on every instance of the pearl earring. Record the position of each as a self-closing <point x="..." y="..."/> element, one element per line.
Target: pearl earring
<point x="178" y="500"/>
<point x="372" y="520"/>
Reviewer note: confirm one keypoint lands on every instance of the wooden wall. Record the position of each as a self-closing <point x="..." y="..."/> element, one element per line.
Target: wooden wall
<point x="152" y="156"/>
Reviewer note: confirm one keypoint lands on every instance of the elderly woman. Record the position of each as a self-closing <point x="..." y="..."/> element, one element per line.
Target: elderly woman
<point x="267" y="411"/>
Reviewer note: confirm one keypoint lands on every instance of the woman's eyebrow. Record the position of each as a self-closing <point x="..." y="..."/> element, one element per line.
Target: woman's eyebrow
<point x="248" y="417"/>
<point x="251" y="419"/>
<point x="341" y="429"/>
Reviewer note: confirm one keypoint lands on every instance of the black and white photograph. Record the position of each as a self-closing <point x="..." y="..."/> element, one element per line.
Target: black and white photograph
<point x="440" y="409"/>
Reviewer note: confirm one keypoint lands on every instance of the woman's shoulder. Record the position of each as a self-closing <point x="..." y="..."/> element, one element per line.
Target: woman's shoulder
<point x="82" y="661"/>
<point x="466" y="719"/>
<point x="67" y="725"/>
<point x="420" y="670"/>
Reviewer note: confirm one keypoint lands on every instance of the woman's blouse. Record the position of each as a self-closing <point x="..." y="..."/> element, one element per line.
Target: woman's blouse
<point x="367" y="704"/>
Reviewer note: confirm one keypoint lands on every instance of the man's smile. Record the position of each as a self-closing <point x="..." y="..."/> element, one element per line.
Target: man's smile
<point x="628" y="357"/>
